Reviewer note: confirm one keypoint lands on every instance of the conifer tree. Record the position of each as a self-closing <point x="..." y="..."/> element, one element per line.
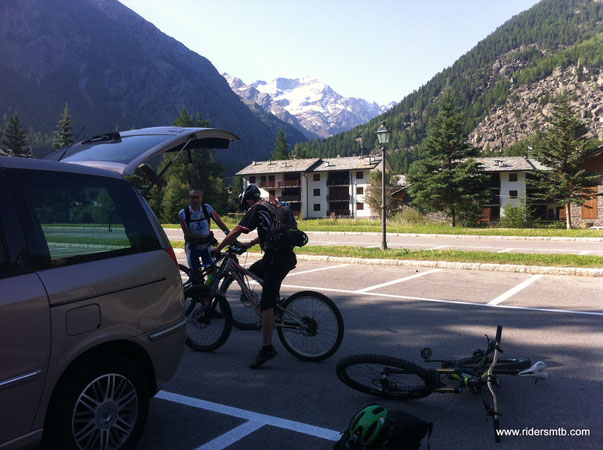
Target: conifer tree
<point x="14" y="138"/>
<point x="63" y="135"/>
<point x="194" y="168"/>
<point x="281" y="147"/>
<point x="448" y="179"/>
<point x="299" y="152"/>
<point x="373" y="193"/>
<point x="564" y="149"/>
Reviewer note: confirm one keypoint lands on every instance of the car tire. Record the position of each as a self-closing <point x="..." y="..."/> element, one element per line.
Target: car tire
<point x="103" y="402"/>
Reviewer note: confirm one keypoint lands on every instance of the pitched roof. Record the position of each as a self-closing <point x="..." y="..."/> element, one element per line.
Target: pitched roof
<point x="347" y="163"/>
<point x="312" y="165"/>
<point x="281" y="166"/>
<point x="509" y="164"/>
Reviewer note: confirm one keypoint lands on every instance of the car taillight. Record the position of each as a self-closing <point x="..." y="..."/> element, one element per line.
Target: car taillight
<point x="170" y="252"/>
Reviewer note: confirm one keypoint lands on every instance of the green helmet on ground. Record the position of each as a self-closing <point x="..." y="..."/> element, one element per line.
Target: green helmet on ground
<point x="368" y="423"/>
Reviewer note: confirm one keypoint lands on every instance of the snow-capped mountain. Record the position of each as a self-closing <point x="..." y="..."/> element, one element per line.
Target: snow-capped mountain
<point x="308" y="104"/>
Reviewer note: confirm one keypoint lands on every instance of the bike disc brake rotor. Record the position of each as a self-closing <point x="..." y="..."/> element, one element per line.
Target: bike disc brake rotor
<point x="200" y="319"/>
<point x="244" y="302"/>
<point x="385" y="384"/>
<point x="311" y="326"/>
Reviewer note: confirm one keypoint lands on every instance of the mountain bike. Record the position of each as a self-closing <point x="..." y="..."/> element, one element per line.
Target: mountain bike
<point x="308" y="323"/>
<point x="394" y="378"/>
<point x="244" y="315"/>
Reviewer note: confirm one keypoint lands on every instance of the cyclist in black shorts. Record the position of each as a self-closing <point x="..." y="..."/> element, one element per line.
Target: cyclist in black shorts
<point x="272" y="268"/>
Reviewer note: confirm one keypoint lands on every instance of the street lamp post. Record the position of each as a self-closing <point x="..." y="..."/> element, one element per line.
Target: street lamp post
<point x="383" y="138"/>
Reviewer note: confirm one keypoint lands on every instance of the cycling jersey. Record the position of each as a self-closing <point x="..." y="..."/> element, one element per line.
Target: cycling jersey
<point x="198" y="253"/>
<point x="260" y="217"/>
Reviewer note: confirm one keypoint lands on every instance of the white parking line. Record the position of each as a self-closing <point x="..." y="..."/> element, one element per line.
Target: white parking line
<point x="515" y="290"/>
<point x="435" y="300"/>
<point x="505" y="250"/>
<point x="438" y="247"/>
<point x="585" y="252"/>
<point x="316" y="270"/>
<point x="389" y="283"/>
<point x="234" y="435"/>
<point x="323" y="433"/>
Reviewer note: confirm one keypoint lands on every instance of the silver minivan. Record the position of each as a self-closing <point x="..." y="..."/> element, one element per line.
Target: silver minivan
<point x="91" y="304"/>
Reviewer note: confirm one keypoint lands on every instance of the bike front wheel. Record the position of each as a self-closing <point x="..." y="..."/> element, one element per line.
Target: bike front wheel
<point x="244" y="314"/>
<point x="309" y="325"/>
<point x="384" y="376"/>
<point x="208" y="323"/>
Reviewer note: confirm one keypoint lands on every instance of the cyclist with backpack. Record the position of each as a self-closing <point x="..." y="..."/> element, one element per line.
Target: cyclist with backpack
<point x="195" y="221"/>
<point x="278" y="260"/>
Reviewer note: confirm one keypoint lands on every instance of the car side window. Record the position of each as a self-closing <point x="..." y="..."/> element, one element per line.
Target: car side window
<point x="84" y="218"/>
<point x="4" y="265"/>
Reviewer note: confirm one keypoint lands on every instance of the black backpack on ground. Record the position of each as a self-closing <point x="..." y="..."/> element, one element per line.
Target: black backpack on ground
<point x="402" y="432"/>
<point x="211" y="240"/>
<point x="406" y="431"/>
<point x="283" y="229"/>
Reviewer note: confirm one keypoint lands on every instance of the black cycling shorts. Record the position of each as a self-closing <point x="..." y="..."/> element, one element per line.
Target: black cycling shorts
<point x="272" y="269"/>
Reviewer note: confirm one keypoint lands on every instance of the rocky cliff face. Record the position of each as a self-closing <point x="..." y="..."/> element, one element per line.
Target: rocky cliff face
<point x="308" y="104"/>
<point x="530" y="104"/>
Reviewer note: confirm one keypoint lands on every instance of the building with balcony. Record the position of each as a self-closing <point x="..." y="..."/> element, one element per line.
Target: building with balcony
<point x="511" y="178"/>
<point x="317" y="187"/>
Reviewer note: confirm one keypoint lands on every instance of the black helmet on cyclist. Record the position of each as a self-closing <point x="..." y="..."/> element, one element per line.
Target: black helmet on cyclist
<point x="251" y="192"/>
<point x="368" y="424"/>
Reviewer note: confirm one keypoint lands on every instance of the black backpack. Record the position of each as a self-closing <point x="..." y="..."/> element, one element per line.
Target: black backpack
<point x="402" y="432"/>
<point x="406" y="431"/>
<point x="283" y="230"/>
<point x="187" y="219"/>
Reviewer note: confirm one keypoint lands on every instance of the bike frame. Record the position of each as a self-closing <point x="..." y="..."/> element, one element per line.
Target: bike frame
<point x="231" y="267"/>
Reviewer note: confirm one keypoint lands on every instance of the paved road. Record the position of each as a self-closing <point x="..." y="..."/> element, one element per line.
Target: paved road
<point x="215" y="401"/>
<point x="584" y="246"/>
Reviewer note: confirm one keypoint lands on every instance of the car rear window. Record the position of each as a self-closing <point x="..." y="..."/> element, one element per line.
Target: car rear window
<point x="121" y="151"/>
<point x="73" y="218"/>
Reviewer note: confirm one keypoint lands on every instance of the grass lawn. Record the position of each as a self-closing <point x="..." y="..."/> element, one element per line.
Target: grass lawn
<point x="364" y="225"/>
<point x="523" y="259"/>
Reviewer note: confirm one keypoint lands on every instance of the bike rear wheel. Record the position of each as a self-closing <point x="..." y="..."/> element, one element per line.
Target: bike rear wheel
<point x="244" y="314"/>
<point x="207" y="326"/>
<point x="385" y="376"/>
<point x="311" y="327"/>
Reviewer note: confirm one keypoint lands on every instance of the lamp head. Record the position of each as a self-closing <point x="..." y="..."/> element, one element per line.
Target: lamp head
<point x="383" y="134"/>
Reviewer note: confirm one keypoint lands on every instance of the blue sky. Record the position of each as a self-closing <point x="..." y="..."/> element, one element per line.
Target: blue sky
<point x="376" y="50"/>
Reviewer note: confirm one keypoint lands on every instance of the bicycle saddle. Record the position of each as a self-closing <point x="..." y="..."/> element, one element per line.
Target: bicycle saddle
<point x="536" y="371"/>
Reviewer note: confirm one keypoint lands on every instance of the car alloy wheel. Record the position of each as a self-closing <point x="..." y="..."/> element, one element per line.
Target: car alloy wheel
<point x="105" y="413"/>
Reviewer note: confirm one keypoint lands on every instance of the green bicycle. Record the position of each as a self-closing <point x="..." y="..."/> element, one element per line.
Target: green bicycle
<point x="394" y="378"/>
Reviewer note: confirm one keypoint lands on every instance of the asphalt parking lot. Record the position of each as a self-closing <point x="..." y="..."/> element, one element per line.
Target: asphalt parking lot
<point x="215" y="401"/>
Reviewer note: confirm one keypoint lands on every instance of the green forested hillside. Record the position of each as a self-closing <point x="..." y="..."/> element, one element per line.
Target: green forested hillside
<point x="553" y="33"/>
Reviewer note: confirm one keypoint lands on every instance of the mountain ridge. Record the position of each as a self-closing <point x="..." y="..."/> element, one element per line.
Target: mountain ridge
<point x="308" y="103"/>
<point x="116" y="70"/>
